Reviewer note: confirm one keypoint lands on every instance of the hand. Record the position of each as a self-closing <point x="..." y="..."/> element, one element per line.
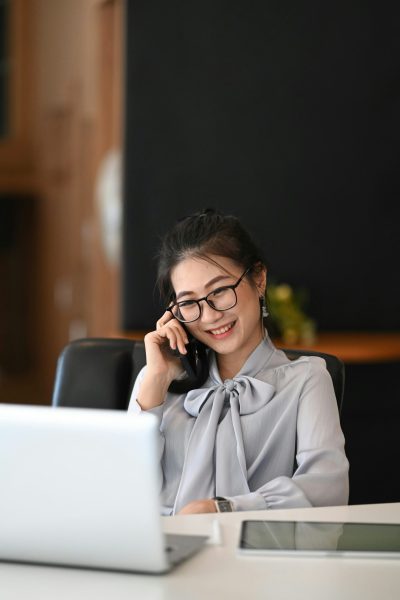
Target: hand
<point x="162" y="367"/>
<point x="169" y="335"/>
<point x="172" y="330"/>
<point x="198" y="506"/>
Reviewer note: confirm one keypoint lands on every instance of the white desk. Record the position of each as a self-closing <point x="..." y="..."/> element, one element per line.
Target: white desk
<point x="218" y="572"/>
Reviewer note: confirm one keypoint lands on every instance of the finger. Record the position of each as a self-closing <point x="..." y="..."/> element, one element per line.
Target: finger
<point x="176" y="343"/>
<point x="175" y="326"/>
<point x="168" y="334"/>
<point x="166" y="318"/>
<point x="181" y="330"/>
<point x="176" y="336"/>
<point x="181" y="336"/>
<point x="181" y="345"/>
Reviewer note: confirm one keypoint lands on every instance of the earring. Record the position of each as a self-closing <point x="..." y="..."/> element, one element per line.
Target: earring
<point x="263" y="307"/>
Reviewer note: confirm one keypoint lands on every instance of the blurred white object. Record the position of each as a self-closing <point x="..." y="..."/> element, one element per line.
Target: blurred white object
<point x="216" y="535"/>
<point x="109" y="204"/>
<point x="77" y="329"/>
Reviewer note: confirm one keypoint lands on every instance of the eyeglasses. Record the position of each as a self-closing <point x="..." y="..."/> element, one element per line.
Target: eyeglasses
<point x="223" y="298"/>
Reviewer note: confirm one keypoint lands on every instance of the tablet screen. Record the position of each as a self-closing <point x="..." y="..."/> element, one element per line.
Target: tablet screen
<point x="308" y="536"/>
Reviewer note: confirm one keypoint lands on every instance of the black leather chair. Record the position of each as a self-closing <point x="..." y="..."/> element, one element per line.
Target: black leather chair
<point x="97" y="373"/>
<point x="100" y="372"/>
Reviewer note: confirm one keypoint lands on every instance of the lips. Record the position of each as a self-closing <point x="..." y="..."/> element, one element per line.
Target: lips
<point x="221" y="330"/>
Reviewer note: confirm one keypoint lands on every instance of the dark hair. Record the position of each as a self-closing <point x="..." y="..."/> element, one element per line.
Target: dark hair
<point x="199" y="235"/>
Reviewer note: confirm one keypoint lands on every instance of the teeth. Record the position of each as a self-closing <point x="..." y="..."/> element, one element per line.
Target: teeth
<point x="221" y="330"/>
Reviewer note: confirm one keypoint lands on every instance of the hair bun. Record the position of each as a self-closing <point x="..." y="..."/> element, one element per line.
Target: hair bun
<point x="209" y="211"/>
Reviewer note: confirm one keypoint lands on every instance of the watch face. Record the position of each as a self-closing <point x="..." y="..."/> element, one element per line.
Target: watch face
<point x="224" y="506"/>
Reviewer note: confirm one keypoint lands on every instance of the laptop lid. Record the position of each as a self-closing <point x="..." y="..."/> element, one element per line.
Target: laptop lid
<point x="80" y="487"/>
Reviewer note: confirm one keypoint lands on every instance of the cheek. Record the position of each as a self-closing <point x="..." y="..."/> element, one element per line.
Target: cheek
<point x="249" y="300"/>
<point x="192" y="329"/>
<point x="252" y="309"/>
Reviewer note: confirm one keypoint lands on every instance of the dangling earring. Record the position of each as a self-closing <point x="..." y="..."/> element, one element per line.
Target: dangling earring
<point x="263" y="307"/>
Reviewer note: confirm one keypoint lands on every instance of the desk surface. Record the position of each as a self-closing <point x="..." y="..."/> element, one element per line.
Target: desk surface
<point x="218" y="572"/>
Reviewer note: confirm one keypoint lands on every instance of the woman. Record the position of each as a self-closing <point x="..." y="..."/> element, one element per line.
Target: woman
<point x="248" y="426"/>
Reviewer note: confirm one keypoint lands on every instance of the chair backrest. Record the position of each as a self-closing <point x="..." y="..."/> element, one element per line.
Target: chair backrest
<point x="335" y="368"/>
<point x="97" y="373"/>
<point x="100" y="372"/>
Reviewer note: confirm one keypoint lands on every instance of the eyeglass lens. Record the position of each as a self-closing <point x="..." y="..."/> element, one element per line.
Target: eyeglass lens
<point x="220" y="299"/>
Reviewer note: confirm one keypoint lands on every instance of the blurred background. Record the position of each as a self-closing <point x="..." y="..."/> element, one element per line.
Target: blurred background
<point x="61" y="117"/>
<point x="119" y="116"/>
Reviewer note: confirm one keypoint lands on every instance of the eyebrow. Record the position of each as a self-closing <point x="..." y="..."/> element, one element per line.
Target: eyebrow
<point x="207" y="285"/>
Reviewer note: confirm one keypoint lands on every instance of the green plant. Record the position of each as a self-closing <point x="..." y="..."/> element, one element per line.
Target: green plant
<point x="287" y="317"/>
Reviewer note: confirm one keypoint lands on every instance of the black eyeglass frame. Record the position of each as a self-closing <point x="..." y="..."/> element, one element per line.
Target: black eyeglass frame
<point x="205" y="299"/>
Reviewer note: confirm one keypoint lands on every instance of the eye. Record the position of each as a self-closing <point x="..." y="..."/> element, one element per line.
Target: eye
<point x="218" y="292"/>
<point x="186" y="303"/>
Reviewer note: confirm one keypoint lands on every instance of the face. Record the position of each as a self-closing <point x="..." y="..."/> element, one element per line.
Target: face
<point x="236" y="331"/>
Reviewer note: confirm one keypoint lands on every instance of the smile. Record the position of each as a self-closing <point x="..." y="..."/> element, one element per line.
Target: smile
<point x="221" y="330"/>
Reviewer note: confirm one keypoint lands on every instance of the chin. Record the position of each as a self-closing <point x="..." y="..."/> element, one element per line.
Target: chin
<point x="225" y="346"/>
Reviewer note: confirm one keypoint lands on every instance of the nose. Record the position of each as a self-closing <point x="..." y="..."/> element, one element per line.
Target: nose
<point x="208" y="314"/>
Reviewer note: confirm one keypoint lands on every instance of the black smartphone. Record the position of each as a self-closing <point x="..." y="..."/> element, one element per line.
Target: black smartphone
<point x="194" y="360"/>
<point x="190" y="360"/>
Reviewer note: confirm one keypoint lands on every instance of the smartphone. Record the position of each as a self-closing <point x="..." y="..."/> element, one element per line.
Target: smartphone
<point x="190" y="360"/>
<point x="194" y="361"/>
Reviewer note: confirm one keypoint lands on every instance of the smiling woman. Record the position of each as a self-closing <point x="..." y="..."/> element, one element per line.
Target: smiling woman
<point x="241" y="426"/>
<point x="229" y="320"/>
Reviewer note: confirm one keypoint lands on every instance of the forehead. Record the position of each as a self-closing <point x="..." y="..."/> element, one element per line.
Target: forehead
<point x="192" y="274"/>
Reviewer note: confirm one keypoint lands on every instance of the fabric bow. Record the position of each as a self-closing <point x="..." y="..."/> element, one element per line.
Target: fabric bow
<point x="215" y="462"/>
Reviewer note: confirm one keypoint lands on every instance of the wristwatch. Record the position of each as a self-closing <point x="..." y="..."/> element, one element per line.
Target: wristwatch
<point x="222" y="504"/>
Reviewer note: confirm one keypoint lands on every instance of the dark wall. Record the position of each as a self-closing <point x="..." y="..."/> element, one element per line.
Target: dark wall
<point x="371" y="424"/>
<point x="286" y="114"/>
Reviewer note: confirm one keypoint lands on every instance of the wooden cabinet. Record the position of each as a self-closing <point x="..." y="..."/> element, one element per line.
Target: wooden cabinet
<point x="16" y="169"/>
<point x="65" y="100"/>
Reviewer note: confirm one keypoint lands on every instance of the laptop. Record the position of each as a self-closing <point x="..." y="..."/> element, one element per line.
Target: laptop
<point x="80" y="487"/>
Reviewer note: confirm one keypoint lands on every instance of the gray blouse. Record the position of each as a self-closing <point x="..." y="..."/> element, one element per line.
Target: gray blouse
<point x="268" y="438"/>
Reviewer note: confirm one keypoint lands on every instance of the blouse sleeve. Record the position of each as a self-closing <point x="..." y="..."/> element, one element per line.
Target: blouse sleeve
<point x="135" y="408"/>
<point x="321" y="476"/>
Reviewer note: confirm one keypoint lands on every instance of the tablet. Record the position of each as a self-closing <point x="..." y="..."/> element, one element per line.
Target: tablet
<point x="302" y="538"/>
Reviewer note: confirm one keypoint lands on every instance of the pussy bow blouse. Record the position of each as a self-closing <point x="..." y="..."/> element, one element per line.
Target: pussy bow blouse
<point x="268" y="438"/>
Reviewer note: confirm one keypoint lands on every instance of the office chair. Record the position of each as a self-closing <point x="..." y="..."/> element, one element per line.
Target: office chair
<point x="97" y="373"/>
<point x="100" y="372"/>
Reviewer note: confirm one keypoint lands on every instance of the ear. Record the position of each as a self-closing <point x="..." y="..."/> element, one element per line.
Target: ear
<point x="260" y="279"/>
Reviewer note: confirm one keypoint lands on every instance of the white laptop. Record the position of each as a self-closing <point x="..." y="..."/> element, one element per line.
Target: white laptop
<point x="80" y="487"/>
